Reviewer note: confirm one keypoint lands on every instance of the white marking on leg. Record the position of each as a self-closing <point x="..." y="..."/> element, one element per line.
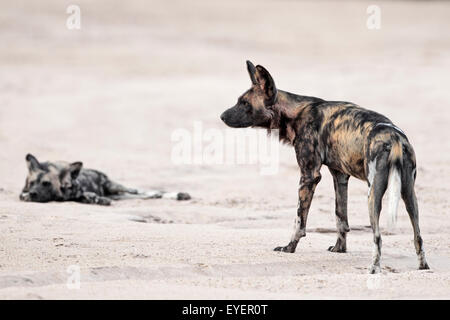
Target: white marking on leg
<point x="375" y="256"/>
<point x="421" y="257"/>
<point x="296" y="231"/>
<point x="375" y="268"/>
<point x="342" y="225"/>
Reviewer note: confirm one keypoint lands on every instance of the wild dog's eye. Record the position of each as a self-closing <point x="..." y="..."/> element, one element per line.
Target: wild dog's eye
<point x="247" y="106"/>
<point x="46" y="183"/>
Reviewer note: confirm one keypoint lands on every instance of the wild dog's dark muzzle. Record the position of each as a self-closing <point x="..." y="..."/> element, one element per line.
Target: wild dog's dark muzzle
<point x="37" y="195"/>
<point x="237" y="117"/>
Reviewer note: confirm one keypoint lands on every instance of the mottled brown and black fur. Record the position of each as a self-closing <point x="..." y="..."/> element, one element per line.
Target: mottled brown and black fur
<point x="63" y="181"/>
<point x="348" y="139"/>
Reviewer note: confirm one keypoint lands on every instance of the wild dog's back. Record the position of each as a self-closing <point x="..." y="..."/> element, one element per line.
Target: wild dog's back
<point x="90" y="180"/>
<point x="346" y="133"/>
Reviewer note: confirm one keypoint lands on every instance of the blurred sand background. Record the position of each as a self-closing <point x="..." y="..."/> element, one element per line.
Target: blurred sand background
<point x="112" y="93"/>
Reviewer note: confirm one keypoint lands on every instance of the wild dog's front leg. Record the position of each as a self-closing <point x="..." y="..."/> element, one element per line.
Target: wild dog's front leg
<point x="309" y="162"/>
<point x="92" y="198"/>
<point x="340" y="187"/>
<point x="305" y="194"/>
<point x="25" y="194"/>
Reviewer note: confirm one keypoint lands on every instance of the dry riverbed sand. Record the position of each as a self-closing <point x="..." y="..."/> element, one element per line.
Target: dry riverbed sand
<point x="112" y="93"/>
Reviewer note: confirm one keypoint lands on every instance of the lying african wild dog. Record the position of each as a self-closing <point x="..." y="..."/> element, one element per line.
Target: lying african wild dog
<point x="350" y="140"/>
<point x="63" y="181"/>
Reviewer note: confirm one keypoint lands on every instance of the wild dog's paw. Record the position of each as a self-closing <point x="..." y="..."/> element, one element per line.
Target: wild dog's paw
<point x="374" y="269"/>
<point x="25" y="196"/>
<point x="288" y="249"/>
<point x="183" y="196"/>
<point x="337" y="248"/>
<point x="103" y="201"/>
<point x="424" y="266"/>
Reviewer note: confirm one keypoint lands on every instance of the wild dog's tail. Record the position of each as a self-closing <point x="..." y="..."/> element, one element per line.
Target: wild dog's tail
<point x="176" y="195"/>
<point x="394" y="181"/>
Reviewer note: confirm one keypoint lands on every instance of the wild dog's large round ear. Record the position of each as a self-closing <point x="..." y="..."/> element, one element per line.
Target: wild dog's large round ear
<point x="75" y="168"/>
<point x="251" y="71"/>
<point x="32" y="163"/>
<point x="266" y="83"/>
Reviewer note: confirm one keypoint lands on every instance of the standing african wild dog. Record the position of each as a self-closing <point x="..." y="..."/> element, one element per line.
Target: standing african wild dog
<point x="350" y="140"/>
<point x="63" y="181"/>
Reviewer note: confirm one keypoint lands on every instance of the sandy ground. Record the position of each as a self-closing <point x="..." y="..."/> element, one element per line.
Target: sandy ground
<point x="112" y="93"/>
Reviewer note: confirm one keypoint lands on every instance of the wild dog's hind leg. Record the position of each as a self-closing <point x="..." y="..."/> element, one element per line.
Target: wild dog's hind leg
<point x="409" y="197"/>
<point x="340" y="187"/>
<point x="114" y="188"/>
<point x="310" y="169"/>
<point x="378" y="173"/>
